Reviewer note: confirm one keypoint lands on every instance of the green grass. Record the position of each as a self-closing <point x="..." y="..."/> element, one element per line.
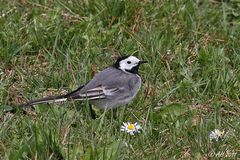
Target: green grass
<point x="190" y="86"/>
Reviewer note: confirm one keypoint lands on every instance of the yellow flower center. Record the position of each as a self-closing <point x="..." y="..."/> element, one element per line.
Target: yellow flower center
<point x="220" y="133"/>
<point x="131" y="127"/>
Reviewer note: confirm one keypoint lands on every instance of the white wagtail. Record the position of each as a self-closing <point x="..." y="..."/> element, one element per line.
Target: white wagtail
<point x="114" y="86"/>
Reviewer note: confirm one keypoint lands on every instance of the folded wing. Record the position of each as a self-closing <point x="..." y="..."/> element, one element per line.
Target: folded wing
<point x="99" y="92"/>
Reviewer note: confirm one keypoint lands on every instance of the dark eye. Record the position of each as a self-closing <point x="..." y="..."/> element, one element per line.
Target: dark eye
<point x="129" y="62"/>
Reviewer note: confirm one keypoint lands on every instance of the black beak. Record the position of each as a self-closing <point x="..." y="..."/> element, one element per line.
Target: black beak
<point x="142" y="62"/>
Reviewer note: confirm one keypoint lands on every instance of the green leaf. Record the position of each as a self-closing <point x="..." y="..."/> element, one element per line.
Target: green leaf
<point x="174" y="110"/>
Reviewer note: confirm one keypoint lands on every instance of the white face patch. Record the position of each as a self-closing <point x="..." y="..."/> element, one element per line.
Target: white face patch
<point x="128" y="63"/>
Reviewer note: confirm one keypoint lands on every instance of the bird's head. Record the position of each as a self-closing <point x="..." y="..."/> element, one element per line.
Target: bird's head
<point x="128" y="64"/>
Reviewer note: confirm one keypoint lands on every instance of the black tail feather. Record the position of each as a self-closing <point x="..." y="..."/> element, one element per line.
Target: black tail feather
<point x="40" y="101"/>
<point x="51" y="98"/>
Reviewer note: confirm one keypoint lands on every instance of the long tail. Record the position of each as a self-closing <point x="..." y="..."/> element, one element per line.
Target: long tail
<point x="52" y="99"/>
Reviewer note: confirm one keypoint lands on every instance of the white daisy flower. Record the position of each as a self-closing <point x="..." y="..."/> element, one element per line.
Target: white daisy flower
<point x="131" y="128"/>
<point x="216" y="134"/>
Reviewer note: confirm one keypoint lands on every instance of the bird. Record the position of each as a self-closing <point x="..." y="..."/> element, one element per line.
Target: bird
<point x="114" y="86"/>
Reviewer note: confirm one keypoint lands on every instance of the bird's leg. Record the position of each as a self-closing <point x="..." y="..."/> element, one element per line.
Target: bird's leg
<point x="114" y="113"/>
<point x="93" y="114"/>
